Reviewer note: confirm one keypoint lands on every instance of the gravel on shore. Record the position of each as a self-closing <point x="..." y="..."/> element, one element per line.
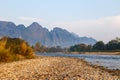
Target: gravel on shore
<point x="53" y="68"/>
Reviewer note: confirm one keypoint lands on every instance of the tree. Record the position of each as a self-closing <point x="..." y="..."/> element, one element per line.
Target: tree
<point x="83" y="47"/>
<point x="118" y="46"/>
<point x="118" y="39"/>
<point x="80" y="47"/>
<point x="37" y="46"/>
<point x="112" y="45"/>
<point x="99" y="46"/>
<point x="4" y="53"/>
<point x="17" y="48"/>
<point x="89" y="47"/>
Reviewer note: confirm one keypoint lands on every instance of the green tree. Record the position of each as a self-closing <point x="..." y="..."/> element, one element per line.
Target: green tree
<point x="112" y="45"/>
<point x="99" y="46"/>
<point x="80" y="47"/>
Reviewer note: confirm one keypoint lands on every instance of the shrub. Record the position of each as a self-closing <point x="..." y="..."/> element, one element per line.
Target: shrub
<point x="26" y="51"/>
<point x="13" y="49"/>
<point x="4" y="53"/>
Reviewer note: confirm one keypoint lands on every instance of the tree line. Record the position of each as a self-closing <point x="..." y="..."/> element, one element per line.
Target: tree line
<point x="40" y="48"/>
<point x="113" y="45"/>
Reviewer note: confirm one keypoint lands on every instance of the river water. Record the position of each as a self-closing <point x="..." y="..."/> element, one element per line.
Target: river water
<point x="108" y="61"/>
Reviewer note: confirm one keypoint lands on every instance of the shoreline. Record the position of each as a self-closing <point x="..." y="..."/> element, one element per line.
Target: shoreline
<point x="97" y="53"/>
<point x="55" y="68"/>
<point x="111" y="71"/>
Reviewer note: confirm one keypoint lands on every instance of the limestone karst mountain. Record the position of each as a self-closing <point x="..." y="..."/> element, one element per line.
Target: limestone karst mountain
<point x="36" y="33"/>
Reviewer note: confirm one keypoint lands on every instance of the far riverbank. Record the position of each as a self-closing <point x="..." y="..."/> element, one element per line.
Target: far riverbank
<point x="97" y="53"/>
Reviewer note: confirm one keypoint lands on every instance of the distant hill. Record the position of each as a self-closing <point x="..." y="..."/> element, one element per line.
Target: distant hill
<point x="36" y="33"/>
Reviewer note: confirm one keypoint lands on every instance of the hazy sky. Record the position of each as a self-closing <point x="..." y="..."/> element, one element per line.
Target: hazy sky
<point x="99" y="19"/>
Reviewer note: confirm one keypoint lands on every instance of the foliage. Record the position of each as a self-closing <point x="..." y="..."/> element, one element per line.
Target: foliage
<point x="4" y="53"/>
<point x="40" y="48"/>
<point x="26" y="51"/>
<point x="55" y="49"/>
<point x="12" y="49"/>
<point x="99" y="46"/>
<point x="113" y="45"/>
<point x="80" y="47"/>
<point x="37" y="46"/>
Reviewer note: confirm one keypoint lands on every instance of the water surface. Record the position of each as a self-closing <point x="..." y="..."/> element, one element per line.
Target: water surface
<point x="108" y="61"/>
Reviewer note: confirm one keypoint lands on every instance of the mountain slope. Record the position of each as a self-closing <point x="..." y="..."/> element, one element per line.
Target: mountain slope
<point x="36" y="33"/>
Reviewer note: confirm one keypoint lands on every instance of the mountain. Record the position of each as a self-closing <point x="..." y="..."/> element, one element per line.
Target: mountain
<point x="36" y="33"/>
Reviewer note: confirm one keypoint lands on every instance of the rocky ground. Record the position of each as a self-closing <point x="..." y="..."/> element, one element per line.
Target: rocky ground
<point x="53" y="68"/>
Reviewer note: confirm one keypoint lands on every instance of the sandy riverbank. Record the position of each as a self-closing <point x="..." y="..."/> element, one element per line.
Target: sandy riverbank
<point x="54" y="68"/>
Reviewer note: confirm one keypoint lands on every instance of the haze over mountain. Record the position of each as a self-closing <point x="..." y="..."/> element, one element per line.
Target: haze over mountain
<point x="36" y="33"/>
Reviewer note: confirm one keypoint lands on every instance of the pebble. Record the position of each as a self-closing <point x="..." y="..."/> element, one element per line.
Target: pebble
<point x="53" y="68"/>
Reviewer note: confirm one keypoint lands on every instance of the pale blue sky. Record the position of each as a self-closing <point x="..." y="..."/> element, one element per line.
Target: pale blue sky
<point x="99" y="19"/>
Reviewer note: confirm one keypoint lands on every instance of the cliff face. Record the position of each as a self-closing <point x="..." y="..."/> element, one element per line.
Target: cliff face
<point x="36" y="33"/>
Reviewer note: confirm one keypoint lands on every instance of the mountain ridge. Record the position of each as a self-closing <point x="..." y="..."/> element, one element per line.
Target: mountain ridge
<point x="36" y="33"/>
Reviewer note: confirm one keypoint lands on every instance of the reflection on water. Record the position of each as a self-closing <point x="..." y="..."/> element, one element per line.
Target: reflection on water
<point x="109" y="61"/>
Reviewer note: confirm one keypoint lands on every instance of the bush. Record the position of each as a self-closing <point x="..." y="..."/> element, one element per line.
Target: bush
<point x="4" y="53"/>
<point x="13" y="49"/>
<point x="26" y="51"/>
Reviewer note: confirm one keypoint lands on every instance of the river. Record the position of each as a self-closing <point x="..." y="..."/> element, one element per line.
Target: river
<point x="108" y="61"/>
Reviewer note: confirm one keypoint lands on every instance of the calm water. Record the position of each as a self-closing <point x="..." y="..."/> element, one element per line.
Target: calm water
<point x="108" y="61"/>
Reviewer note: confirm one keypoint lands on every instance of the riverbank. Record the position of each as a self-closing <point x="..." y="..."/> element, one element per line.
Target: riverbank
<point x="98" y="53"/>
<point x="55" y="68"/>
